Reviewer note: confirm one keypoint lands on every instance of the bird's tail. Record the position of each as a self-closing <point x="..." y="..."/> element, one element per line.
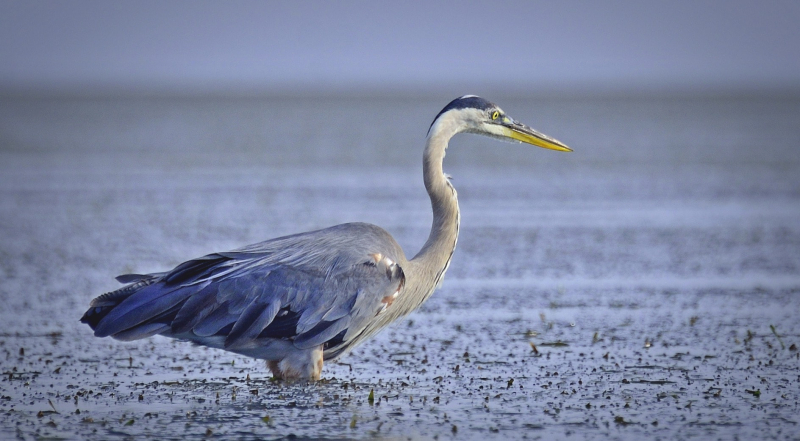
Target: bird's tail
<point x="102" y="305"/>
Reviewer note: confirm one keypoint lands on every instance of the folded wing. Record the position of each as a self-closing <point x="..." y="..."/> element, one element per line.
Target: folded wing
<point x="317" y="288"/>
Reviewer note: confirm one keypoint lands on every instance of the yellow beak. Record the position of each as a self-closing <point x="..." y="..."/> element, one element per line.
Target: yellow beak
<point x="523" y="133"/>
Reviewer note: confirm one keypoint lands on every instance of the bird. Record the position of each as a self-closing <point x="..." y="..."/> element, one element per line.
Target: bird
<point x="299" y="300"/>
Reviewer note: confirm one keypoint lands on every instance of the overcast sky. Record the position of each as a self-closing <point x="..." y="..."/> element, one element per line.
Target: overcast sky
<point x="293" y="45"/>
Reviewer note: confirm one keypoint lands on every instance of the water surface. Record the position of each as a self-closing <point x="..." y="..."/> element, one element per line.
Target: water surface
<point x="645" y="285"/>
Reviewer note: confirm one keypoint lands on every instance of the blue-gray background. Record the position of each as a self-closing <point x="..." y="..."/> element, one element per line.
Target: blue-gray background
<point x="310" y="46"/>
<point x="656" y="268"/>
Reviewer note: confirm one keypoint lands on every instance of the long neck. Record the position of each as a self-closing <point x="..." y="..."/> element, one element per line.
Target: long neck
<point x="434" y="257"/>
<point x="425" y="271"/>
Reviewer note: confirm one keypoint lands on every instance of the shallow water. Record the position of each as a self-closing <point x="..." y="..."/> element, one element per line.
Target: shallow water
<point x="647" y="284"/>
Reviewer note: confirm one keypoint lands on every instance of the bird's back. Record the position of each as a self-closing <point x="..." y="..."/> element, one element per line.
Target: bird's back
<point x="317" y="288"/>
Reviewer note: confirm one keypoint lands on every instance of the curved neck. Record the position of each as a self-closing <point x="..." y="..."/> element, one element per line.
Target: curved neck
<point x="438" y="249"/>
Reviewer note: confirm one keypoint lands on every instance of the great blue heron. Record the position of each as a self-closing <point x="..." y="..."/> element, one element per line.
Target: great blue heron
<point x="298" y="300"/>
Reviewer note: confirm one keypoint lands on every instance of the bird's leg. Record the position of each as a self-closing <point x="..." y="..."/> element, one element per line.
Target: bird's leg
<point x="300" y="365"/>
<point x="273" y="367"/>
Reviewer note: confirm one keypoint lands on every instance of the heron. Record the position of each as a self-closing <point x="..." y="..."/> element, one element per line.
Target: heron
<point x="296" y="301"/>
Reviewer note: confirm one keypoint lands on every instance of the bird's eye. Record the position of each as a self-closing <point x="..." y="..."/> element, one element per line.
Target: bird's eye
<point x="495" y="115"/>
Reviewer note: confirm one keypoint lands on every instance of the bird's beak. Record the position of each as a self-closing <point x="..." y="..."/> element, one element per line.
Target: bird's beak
<point x="520" y="132"/>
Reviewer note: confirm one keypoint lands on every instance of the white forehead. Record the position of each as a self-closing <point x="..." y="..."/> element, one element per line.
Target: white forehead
<point x="458" y="120"/>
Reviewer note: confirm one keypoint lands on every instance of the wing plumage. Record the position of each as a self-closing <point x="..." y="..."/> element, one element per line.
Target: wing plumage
<point x="311" y="289"/>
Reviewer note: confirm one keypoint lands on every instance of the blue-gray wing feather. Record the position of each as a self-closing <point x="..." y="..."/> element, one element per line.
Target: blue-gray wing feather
<point x="312" y="288"/>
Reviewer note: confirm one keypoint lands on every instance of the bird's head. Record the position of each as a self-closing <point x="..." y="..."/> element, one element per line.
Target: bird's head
<point x="473" y="114"/>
